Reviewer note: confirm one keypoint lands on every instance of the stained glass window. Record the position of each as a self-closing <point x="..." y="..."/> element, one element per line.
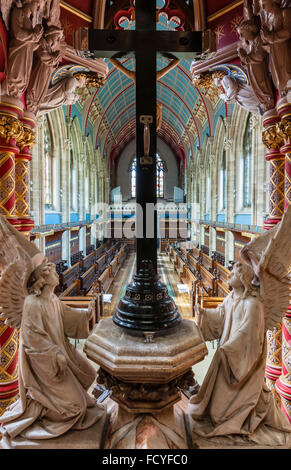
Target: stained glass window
<point x="133" y="178"/>
<point x="160" y="177"/>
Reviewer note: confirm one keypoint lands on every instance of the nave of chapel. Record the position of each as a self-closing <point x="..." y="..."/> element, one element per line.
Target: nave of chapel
<point x="73" y="166"/>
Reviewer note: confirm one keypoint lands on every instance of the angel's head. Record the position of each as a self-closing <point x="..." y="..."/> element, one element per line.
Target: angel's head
<point x="44" y="275"/>
<point x="242" y="275"/>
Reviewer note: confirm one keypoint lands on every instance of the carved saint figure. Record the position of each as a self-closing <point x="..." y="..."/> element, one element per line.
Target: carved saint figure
<point x="233" y="401"/>
<point x="48" y="55"/>
<point x="53" y="376"/>
<point x="276" y="35"/>
<point x="26" y="31"/>
<point x="63" y="93"/>
<point x="252" y="53"/>
<point x="241" y="93"/>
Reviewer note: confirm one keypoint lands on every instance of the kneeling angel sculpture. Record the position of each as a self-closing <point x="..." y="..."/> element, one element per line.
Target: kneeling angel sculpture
<point x="233" y="402"/>
<point x="53" y="376"/>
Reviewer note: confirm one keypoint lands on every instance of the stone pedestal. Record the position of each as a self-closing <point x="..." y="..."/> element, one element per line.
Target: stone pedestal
<point x="146" y="380"/>
<point x="92" y="438"/>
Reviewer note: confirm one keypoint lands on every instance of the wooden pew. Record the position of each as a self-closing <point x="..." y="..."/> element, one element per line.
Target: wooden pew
<point x="73" y="289"/>
<point x="208" y="281"/>
<point x="221" y="274"/>
<point x="179" y="265"/>
<point x="87" y="279"/>
<point x="99" y="251"/>
<point x="193" y="263"/>
<point x="115" y="265"/>
<point x="67" y="277"/>
<point x="101" y="264"/>
<point x="88" y="261"/>
<point x="207" y="262"/>
<point x="196" y="252"/>
<point x="189" y="278"/>
<point x="106" y="279"/>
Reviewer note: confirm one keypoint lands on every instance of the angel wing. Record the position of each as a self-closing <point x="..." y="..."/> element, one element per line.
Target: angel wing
<point x="12" y="293"/>
<point x="270" y="257"/>
<point x="10" y="240"/>
<point x="17" y="258"/>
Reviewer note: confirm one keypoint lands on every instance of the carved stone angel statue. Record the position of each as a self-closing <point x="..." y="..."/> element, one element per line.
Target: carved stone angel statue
<point x="233" y="403"/>
<point x="53" y="376"/>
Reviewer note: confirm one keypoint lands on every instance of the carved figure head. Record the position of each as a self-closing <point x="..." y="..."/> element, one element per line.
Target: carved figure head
<point x="270" y="5"/>
<point x="243" y="275"/>
<point x="247" y="30"/>
<point x="44" y="274"/>
<point x="54" y="35"/>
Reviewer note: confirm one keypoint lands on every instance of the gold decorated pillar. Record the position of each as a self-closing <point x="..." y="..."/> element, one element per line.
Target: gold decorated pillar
<point x="283" y="383"/>
<point x="22" y="160"/>
<point x="273" y="142"/>
<point x="11" y="131"/>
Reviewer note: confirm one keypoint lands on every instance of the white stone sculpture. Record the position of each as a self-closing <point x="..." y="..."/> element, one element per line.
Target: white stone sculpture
<point x="233" y="403"/>
<point x="63" y="93"/>
<point x="53" y="376"/>
<point x="238" y="92"/>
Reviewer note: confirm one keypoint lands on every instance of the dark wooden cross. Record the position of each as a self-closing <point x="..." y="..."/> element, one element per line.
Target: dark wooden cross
<point x="145" y="41"/>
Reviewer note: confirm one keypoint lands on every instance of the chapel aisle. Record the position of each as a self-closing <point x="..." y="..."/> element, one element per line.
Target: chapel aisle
<point x="171" y="279"/>
<point x="121" y="281"/>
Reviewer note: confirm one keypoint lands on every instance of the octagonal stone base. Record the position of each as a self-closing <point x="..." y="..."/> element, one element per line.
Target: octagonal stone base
<point x="130" y="359"/>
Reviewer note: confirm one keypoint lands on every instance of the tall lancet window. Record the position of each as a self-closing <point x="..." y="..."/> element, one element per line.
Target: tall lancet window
<point x="222" y="182"/>
<point x="160" y="177"/>
<point x="48" y="164"/>
<point x="247" y="165"/>
<point x="133" y="177"/>
<point x="208" y="191"/>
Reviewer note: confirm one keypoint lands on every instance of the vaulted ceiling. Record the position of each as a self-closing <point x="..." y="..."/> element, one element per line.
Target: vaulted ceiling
<point x="188" y="112"/>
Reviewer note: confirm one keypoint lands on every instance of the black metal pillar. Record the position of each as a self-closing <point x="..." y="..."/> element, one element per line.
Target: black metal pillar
<point x="146" y="109"/>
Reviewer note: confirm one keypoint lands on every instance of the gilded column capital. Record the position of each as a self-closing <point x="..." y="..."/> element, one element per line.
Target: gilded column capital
<point x="11" y="128"/>
<point x="27" y="138"/>
<point x="284" y="130"/>
<point x="271" y="138"/>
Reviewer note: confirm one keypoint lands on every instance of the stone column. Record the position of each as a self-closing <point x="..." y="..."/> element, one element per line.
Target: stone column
<point x="11" y="131"/>
<point x="283" y="383"/>
<point x="273" y="141"/>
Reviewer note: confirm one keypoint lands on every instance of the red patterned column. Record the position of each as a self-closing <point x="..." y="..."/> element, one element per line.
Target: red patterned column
<point x="274" y="360"/>
<point x="273" y="141"/>
<point x="23" y="222"/>
<point x="11" y="130"/>
<point x="283" y="383"/>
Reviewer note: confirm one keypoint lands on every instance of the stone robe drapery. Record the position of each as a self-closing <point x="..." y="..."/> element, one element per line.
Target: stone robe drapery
<point x="50" y="403"/>
<point x="233" y="399"/>
<point x="59" y="95"/>
<point x="24" y="42"/>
